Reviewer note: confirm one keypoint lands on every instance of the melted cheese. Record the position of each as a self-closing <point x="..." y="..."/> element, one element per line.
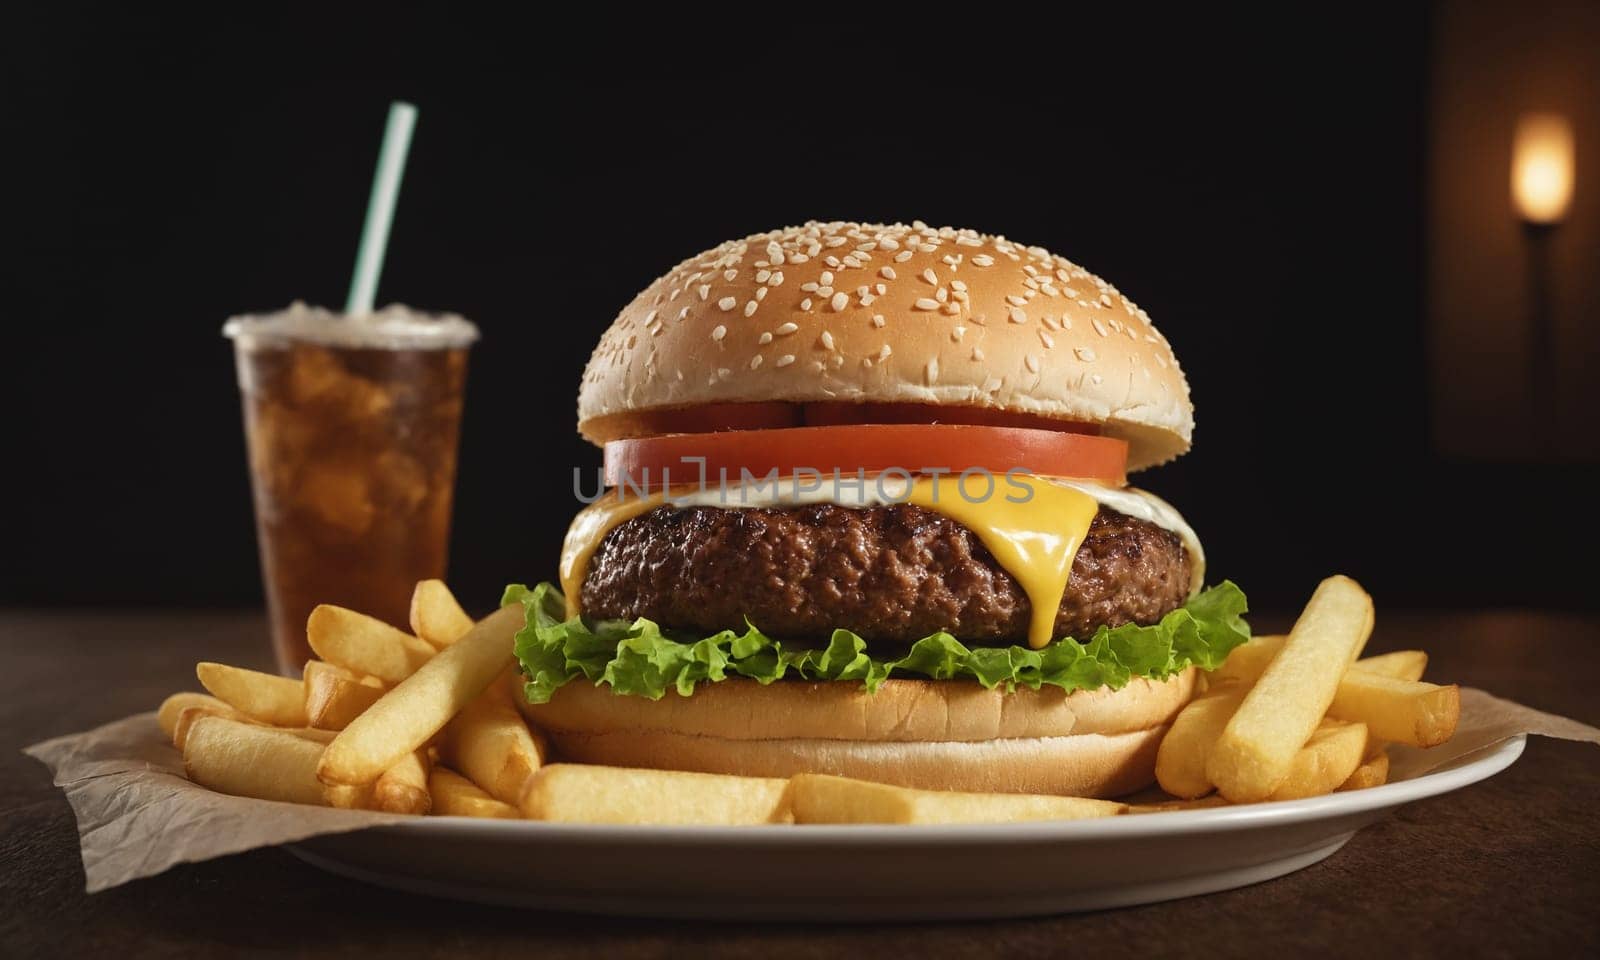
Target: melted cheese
<point x="1035" y="541"/>
<point x="590" y="527"/>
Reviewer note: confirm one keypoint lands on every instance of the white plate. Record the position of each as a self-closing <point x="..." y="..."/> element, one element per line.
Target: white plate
<point x="873" y="873"/>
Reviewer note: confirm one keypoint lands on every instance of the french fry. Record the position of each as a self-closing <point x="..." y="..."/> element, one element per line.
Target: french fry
<point x="1401" y="664"/>
<point x="274" y="700"/>
<point x="1257" y="750"/>
<point x="167" y="715"/>
<point x="365" y="644"/>
<point x="1181" y="758"/>
<point x="436" y="616"/>
<point x="818" y="798"/>
<point x="1400" y="711"/>
<point x="489" y="742"/>
<point x="319" y="668"/>
<point x="456" y="796"/>
<point x="1373" y="771"/>
<point x="1172" y="806"/>
<point x="409" y="715"/>
<point x="188" y="715"/>
<point x="1327" y="760"/>
<point x="580" y="793"/>
<point x="250" y="760"/>
<point x="1248" y="660"/>
<point x="335" y="696"/>
<point x="349" y="798"/>
<point x="403" y="788"/>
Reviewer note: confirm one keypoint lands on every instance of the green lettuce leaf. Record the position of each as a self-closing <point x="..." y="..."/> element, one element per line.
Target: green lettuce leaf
<point x="641" y="659"/>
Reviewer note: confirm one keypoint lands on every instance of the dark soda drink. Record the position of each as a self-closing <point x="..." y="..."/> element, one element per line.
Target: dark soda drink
<point x="352" y="427"/>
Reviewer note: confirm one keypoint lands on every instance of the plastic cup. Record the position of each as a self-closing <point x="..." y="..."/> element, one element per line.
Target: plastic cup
<point x="352" y="426"/>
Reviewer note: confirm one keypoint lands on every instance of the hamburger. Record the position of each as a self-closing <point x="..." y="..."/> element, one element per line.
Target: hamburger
<point x="866" y="513"/>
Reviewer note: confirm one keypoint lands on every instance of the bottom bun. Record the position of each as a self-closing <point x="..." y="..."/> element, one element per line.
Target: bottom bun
<point x="931" y="734"/>
<point x="1084" y="765"/>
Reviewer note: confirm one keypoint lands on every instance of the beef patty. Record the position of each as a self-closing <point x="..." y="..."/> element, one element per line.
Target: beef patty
<point x="892" y="574"/>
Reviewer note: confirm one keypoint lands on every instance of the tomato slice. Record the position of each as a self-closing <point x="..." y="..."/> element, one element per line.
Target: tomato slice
<point x="652" y="462"/>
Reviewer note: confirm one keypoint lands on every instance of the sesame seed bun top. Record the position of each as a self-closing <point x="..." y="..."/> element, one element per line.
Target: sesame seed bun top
<point x="891" y="314"/>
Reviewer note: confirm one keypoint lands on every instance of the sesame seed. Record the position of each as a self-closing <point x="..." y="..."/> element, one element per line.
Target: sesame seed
<point x="1105" y="299"/>
<point x="868" y="299"/>
<point x="776" y="280"/>
<point x="761" y="293"/>
<point x="805" y="304"/>
<point x="1097" y="379"/>
<point x="931" y="371"/>
<point x="958" y="285"/>
<point x="926" y="303"/>
<point x="982" y="260"/>
<point x="880" y="288"/>
<point x="650" y="318"/>
<point x="1086" y="354"/>
<point x="809" y="286"/>
<point x="953" y="309"/>
<point x="839" y="302"/>
<point x="766" y="338"/>
<point x="1046" y="339"/>
<point x="785" y="329"/>
<point x="1017" y="315"/>
<point x="886" y="272"/>
<point x="1099" y="326"/>
<point x="862" y="290"/>
<point x="1015" y="300"/>
<point x="957" y="333"/>
<point x="889" y="243"/>
<point x="953" y="259"/>
<point x="1031" y="362"/>
<point x="850" y="260"/>
<point x="718" y="332"/>
<point x="723" y="373"/>
<point x="785" y="360"/>
<point x="902" y="256"/>
<point x="960" y="295"/>
<point x="730" y="275"/>
<point x="682" y="313"/>
<point x="977" y="353"/>
<point x="929" y="277"/>
<point x="877" y="320"/>
<point x="837" y="241"/>
<point x="824" y="292"/>
<point x="826" y="278"/>
<point x="797" y="258"/>
<point x="981" y="319"/>
<point x="704" y="290"/>
<point x="941" y="295"/>
<point x="826" y="338"/>
<point x="755" y="361"/>
<point x="727" y="303"/>
<point x="884" y="352"/>
<point x="1069" y="293"/>
<point x="831" y="261"/>
<point x="750" y="308"/>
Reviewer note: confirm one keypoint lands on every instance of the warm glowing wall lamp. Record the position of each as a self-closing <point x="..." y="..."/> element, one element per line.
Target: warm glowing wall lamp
<point x="1541" y="167"/>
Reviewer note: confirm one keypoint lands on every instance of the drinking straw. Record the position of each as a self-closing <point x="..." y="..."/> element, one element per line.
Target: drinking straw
<point x="380" y="207"/>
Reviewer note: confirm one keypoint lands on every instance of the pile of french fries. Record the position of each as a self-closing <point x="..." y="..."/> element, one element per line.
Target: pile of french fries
<point x="1300" y="716"/>
<point x="424" y="723"/>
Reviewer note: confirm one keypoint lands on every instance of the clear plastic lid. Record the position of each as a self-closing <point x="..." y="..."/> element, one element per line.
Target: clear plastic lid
<point x="395" y="327"/>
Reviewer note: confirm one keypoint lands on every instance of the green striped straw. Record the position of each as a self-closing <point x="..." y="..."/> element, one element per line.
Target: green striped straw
<point x="380" y="207"/>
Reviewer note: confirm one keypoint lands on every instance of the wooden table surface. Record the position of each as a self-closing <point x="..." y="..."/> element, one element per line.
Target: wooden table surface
<point x="1507" y="867"/>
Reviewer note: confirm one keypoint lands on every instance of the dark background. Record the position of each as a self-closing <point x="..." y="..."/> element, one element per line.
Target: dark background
<point x="1258" y="186"/>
